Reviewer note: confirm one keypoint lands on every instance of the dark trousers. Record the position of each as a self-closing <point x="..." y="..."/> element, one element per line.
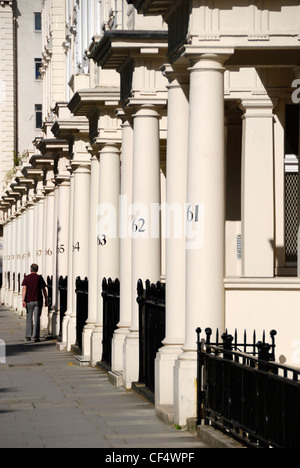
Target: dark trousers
<point x="33" y="319"/>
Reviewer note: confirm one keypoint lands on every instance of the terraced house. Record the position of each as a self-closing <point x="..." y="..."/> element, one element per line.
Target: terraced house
<point x="169" y="153"/>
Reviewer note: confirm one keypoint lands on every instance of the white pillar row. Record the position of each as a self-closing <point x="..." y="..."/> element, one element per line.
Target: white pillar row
<point x="177" y="149"/>
<point x="258" y="235"/>
<point x="205" y="217"/>
<point x="125" y="244"/>
<point x="107" y="234"/>
<point x="80" y="255"/>
<point x="145" y="223"/>
<point x="93" y="252"/>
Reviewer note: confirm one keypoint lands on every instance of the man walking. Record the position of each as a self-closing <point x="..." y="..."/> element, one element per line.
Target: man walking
<point x="34" y="287"/>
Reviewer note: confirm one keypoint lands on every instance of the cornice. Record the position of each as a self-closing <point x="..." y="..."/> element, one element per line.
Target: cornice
<point x="116" y="45"/>
<point x="85" y="101"/>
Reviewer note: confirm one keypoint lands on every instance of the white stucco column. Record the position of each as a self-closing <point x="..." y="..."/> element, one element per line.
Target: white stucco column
<point x="53" y="312"/>
<point x="125" y="245"/>
<point x="80" y="268"/>
<point x="177" y="150"/>
<point x="258" y="188"/>
<point x="30" y="231"/>
<point x="205" y="222"/>
<point x="107" y="234"/>
<point x="62" y="236"/>
<point x="39" y="225"/>
<point x="145" y="225"/>
<point x="70" y="265"/>
<point x="93" y="252"/>
<point x="12" y="258"/>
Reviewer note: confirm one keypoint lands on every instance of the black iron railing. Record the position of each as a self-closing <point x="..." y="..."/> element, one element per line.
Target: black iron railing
<point x="50" y="291"/>
<point x="63" y="298"/>
<point x="248" y="396"/>
<point x="82" y="292"/>
<point x="111" y="316"/>
<point x="152" y="328"/>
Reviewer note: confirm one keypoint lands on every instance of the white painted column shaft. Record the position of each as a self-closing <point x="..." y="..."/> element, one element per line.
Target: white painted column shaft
<point x="205" y="217"/>
<point x="177" y="149"/>
<point x="146" y="245"/>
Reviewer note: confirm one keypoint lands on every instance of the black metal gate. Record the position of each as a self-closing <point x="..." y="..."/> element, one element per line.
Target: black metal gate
<point x="248" y="396"/>
<point x="63" y="298"/>
<point x="152" y="328"/>
<point x="82" y="292"/>
<point x="111" y="316"/>
<point x="50" y="290"/>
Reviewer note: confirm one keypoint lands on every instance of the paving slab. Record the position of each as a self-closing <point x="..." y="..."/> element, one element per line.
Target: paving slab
<point x="47" y="401"/>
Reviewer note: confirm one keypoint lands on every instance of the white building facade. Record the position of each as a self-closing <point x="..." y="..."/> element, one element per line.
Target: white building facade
<point x="169" y="153"/>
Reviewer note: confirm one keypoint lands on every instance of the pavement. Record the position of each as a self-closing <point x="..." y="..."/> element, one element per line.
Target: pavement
<point x="48" y="401"/>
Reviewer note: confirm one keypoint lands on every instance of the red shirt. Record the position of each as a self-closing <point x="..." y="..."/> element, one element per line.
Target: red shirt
<point x="34" y="285"/>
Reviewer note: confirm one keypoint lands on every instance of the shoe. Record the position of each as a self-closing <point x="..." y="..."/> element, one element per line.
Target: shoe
<point x="37" y="340"/>
<point x="28" y="339"/>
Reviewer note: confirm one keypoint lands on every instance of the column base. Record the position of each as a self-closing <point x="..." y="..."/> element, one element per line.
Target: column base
<point x="86" y="339"/>
<point x="117" y="362"/>
<point x="55" y="323"/>
<point x="131" y="359"/>
<point x="164" y="374"/>
<point x="71" y="333"/>
<point x="44" y="318"/>
<point x="15" y="302"/>
<point x="96" y="346"/>
<point x="64" y="330"/>
<point x="185" y="388"/>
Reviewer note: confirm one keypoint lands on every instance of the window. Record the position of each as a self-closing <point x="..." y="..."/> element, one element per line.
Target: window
<point x="37" y="21"/>
<point x="37" y="65"/>
<point x="38" y="116"/>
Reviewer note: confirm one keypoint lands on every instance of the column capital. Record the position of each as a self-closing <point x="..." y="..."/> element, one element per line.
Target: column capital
<point x="147" y="110"/>
<point x="258" y="107"/>
<point x="207" y="59"/>
<point x="177" y="75"/>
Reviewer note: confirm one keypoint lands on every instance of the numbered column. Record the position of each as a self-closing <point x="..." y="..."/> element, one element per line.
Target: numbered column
<point x="145" y="223"/>
<point x="53" y="312"/>
<point x="80" y="267"/>
<point x="93" y="252"/>
<point x="70" y="292"/>
<point x="205" y="215"/>
<point x="62" y="242"/>
<point x="107" y="233"/>
<point x="125" y="245"/>
<point x="178" y="117"/>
